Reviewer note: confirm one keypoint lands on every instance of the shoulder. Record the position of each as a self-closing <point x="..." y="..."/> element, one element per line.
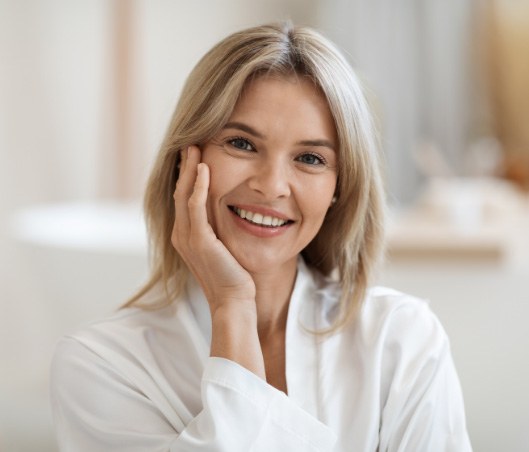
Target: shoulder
<point x="399" y="317"/>
<point x="133" y="342"/>
<point x="129" y="369"/>
<point x="385" y="312"/>
<point x="419" y="386"/>
<point x="126" y="329"/>
<point x="392" y="327"/>
<point x="405" y="341"/>
<point x="386" y="305"/>
<point x="385" y="315"/>
<point x="132" y="325"/>
<point x="109" y="349"/>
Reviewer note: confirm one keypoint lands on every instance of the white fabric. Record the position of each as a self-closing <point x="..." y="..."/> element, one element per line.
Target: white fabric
<point x="144" y="381"/>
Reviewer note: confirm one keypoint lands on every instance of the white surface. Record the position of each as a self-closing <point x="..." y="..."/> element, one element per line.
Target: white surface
<point x="86" y="258"/>
<point x="105" y="227"/>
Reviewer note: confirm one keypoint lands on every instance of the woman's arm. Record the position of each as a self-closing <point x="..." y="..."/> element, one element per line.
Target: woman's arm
<point x="105" y="401"/>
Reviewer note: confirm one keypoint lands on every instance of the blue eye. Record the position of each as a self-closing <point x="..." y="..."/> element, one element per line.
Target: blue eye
<point x="311" y="159"/>
<point x="241" y="143"/>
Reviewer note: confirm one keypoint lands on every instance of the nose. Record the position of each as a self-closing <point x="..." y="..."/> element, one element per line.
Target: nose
<point x="271" y="179"/>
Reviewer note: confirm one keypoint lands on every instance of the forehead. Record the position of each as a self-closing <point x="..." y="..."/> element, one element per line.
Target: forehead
<point x="286" y="103"/>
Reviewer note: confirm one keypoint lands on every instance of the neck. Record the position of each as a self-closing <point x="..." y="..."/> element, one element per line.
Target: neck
<point x="273" y="291"/>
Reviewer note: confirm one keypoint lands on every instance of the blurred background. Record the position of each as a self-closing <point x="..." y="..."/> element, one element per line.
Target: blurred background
<point x="86" y="91"/>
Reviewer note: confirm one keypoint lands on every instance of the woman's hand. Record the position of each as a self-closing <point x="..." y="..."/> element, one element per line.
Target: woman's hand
<point x="222" y="278"/>
<point x="229" y="288"/>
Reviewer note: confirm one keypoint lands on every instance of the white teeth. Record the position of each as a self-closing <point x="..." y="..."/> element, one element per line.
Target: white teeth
<point x="257" y="218"/>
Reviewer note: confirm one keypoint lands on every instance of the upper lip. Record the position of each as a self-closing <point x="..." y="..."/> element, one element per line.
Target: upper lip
<point x="265" y="211"/>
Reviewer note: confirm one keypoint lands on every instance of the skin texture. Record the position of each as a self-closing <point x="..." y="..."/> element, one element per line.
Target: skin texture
<point x="275" y="157"/>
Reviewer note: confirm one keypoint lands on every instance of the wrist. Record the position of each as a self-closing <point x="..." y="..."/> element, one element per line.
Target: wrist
<point x="235" y="337"/>
<point x="234" y="311"/>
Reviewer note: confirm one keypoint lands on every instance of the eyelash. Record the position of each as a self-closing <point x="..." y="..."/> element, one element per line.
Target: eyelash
<point x="322" y="161"/>
<point x="231" y="140"/>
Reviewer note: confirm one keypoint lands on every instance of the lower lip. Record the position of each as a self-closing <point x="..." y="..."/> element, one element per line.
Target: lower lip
<point x="260" y="231"/>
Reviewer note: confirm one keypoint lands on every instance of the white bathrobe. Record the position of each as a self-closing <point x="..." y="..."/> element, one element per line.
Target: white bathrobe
<point x="144" y="381"/>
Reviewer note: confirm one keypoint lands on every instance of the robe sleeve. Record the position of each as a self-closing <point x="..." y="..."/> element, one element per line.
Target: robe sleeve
<point x="96" y="408"/>
<point x="424" y="410"/>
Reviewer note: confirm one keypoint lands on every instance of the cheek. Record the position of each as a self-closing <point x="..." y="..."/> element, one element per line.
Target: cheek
<point x="326" y="189"/>
<point x="317" y="203"/>
<point x="220" y="184"/>
<point x="217" y="161"/>
<point x="219" y="180"/>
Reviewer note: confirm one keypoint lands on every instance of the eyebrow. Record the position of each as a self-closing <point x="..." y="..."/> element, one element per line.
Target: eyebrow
<point x="316" y="143"/>
<point x="255" y="133"/>
<point x="244" y="128"/>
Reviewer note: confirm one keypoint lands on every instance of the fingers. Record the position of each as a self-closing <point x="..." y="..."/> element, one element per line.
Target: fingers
<point x="197" y="202"/>
<point x="184" y="189"/>
<point x="186" y="179"/>
<point x="189" y="161"/>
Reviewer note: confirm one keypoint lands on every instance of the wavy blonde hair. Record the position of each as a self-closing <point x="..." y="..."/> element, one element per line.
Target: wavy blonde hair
<point x="350" y="240"/>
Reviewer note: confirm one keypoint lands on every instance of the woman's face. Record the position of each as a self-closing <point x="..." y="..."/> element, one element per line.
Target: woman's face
<point x="273" y="172"/>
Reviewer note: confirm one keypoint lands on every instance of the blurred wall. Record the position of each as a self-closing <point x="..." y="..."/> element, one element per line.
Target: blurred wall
<point x="51" y="101"/>
<point x="418" y="60"/>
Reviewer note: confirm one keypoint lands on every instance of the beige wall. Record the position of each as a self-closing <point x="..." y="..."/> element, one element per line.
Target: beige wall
<point x="509" y="82"/>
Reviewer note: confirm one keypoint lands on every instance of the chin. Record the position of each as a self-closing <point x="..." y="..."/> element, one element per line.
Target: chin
<point x="262" y="262"/>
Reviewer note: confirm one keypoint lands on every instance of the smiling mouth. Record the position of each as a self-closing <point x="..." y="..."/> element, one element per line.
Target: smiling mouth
<point x="260" y="219"/>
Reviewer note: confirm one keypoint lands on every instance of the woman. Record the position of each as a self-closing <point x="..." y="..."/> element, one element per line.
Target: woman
<point x="257" y="330"/>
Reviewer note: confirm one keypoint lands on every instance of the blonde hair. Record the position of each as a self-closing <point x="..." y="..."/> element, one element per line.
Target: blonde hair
<point x="351" y="238"/>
